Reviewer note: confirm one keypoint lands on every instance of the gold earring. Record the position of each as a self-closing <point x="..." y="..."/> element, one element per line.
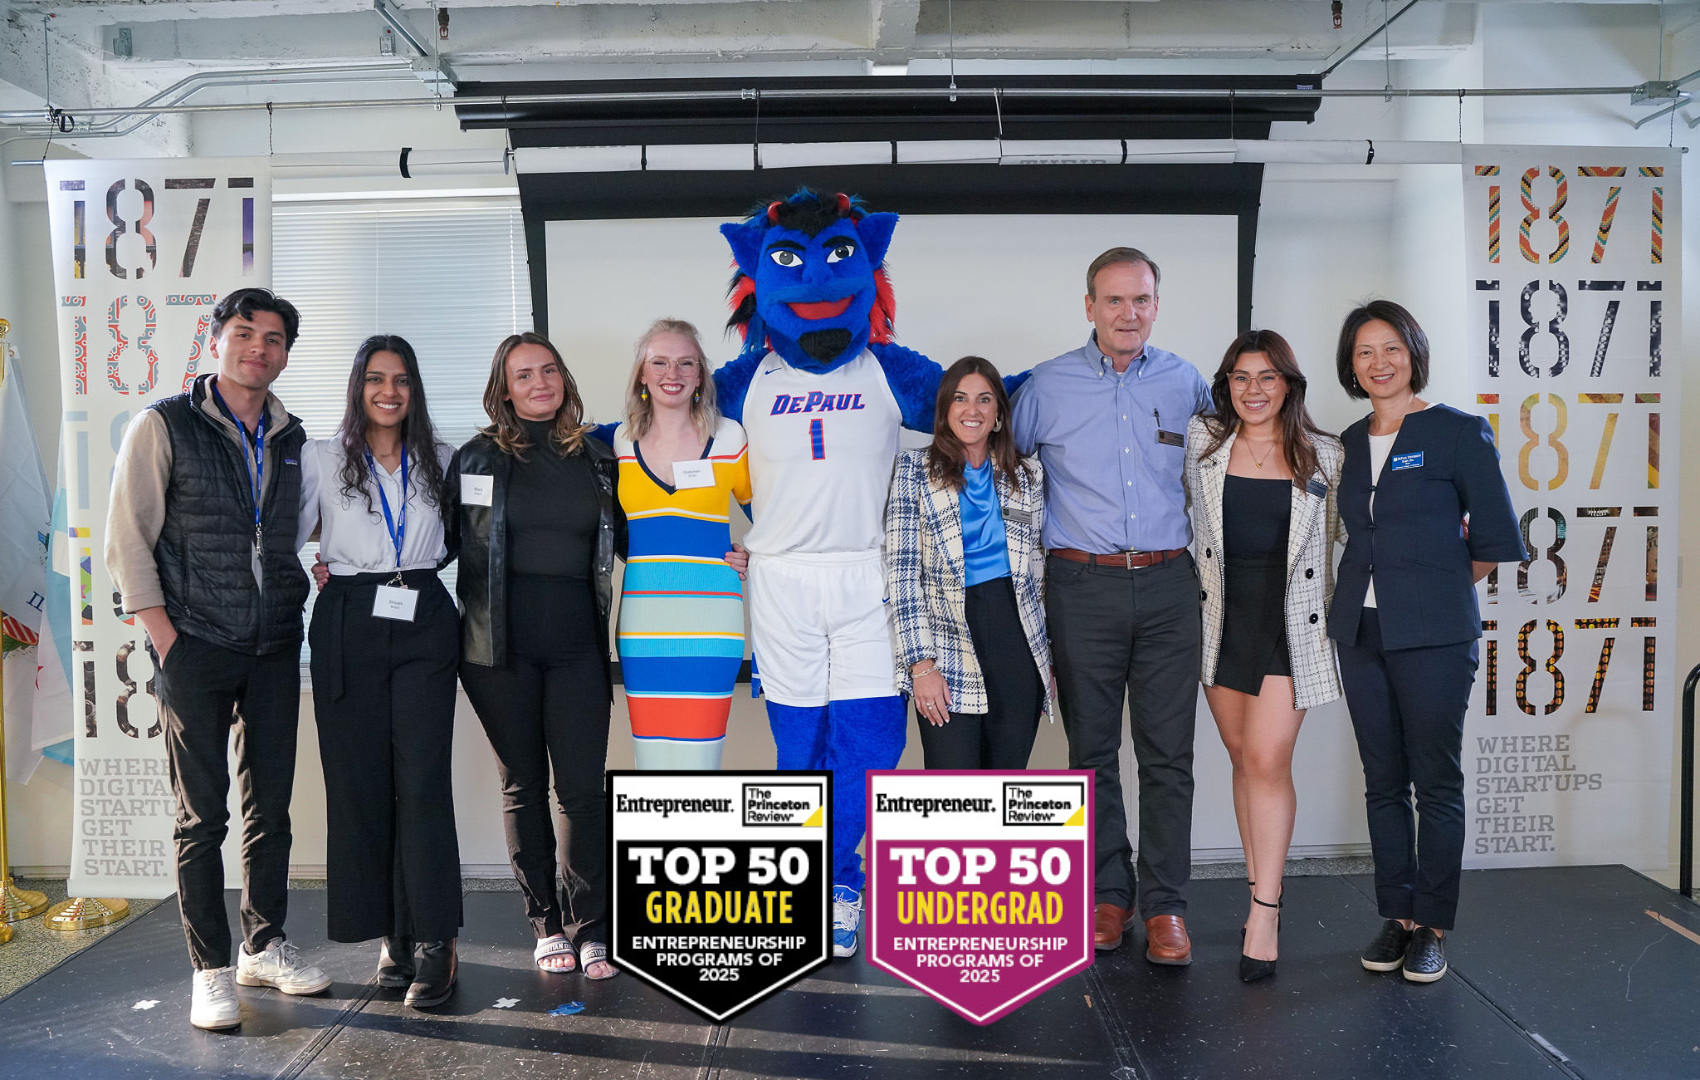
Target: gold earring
<point x="643" y="394"/>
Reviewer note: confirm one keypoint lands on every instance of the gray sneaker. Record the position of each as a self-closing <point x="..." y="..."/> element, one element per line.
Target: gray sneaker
<point x="214" y="1005"/>
<point x="279" y="965"/>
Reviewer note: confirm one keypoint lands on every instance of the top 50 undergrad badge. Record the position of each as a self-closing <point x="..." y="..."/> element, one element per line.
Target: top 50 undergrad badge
<point x="980" y="883"/>
<point x="721" y="882"/>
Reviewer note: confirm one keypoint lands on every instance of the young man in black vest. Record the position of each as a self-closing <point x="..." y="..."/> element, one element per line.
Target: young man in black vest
<point x="200" y="542"/>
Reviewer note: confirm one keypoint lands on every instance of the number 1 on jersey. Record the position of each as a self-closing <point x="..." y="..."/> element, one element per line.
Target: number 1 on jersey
<point x="817" y="441"/>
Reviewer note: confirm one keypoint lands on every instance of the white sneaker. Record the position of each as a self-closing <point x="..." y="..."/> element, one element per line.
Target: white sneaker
<point x="214" y="1006"/>
<point x="846" y="920"/>
<point x="280" y="965"/>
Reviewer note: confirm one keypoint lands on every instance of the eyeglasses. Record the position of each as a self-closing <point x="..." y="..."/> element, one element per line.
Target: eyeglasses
<point x="1269" y="380"/>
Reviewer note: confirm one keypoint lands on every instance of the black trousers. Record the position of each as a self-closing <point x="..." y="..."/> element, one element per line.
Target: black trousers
<point x="549" y="705"/>
<point x="384" y="700"/>
<point x="205" y="691"/>
<point x="1408" y="709"/>
<point x="1002" y="736"/>
<point x="1133" y="635"/>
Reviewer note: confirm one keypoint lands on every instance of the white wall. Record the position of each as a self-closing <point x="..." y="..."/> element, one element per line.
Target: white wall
<point x="1328" y="238"/>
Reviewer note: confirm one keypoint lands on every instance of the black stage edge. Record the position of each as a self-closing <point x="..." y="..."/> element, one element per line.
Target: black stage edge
<point x="1590" y="972"/>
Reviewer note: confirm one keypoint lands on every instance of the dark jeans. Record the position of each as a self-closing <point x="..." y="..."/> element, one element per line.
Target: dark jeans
<point x="1408" y="710"/>
<point x="1002" y="736"/>
<point x="550" y="704"/>
<point x="1133" y="635"/>
<point x="204" y="691"/>
<point x="384" y="700"/>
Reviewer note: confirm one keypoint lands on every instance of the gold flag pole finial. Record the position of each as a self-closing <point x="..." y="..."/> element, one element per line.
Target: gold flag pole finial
<point x="15" y="903"/>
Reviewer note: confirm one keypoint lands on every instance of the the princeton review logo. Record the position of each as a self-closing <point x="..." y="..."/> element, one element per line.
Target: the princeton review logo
<point x="785" y="805"/>
<point x="1057" y="803"/>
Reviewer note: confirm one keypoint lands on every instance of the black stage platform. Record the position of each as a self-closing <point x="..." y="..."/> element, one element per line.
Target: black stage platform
<point x="1555" y="973"/>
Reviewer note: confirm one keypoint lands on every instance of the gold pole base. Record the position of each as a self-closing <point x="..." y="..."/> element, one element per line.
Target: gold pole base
<point x="85" y="913"/>
<point x="5" y="933"/>
<point x="17" y="904"/>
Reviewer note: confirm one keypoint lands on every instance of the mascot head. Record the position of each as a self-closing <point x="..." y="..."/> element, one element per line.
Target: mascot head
<point x="810" y="281"/>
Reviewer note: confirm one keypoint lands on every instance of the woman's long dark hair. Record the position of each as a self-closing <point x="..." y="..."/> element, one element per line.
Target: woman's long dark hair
<point x="1296" y="425"/>
<point x="946" y="457"/>
<point x="418" y="437"/>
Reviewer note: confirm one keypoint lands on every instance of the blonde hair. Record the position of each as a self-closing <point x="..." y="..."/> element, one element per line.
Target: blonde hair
<point x="640" y="411"/>
<point x="505" y="428"/>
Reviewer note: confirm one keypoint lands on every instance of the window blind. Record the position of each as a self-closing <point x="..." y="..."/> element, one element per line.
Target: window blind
<point x="449" y="275"/>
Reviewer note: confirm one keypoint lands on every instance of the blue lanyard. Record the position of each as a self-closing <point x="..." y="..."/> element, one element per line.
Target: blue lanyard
<point x="257" y="443"/>
<point x="396" y="526"/>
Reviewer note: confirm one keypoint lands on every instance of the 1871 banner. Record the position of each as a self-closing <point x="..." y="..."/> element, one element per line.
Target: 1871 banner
<point x="142" y="250"/>
<point x="1573" y="296"/>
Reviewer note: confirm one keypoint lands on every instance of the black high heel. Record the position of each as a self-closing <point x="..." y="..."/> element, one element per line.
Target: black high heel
<point x="1251" y="969"/>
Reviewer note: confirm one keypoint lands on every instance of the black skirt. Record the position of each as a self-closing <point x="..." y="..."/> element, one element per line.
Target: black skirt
<point x="1256" y="516"/>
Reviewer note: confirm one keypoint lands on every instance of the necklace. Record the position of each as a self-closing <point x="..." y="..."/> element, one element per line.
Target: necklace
<point x="1254" y="458"/>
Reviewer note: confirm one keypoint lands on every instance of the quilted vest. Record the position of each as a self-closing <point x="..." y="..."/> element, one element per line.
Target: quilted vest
<point x="205" y="549"/>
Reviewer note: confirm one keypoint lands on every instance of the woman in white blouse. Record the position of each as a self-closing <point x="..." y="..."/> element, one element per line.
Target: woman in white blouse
<point x="385" y="641"/>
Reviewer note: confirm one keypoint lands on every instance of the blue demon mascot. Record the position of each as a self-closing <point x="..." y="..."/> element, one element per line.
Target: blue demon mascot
<point x="821" y="391"/>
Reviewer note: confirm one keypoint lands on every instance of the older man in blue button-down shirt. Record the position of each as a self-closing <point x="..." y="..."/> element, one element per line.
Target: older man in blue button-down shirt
<point x="1108" y="421"/>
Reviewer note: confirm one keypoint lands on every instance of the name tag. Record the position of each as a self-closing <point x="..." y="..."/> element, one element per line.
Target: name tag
<point x="1317" y="488"/>
<point x="477" y="490"/>
<point x="1408" y="461"/>
<point x="693" y="474"/>
<point x="392" y="602"/>
<point x="1020" y="517"/>
<point x="1170" y="438"/>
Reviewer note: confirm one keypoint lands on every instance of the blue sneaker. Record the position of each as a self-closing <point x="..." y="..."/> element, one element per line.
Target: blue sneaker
<point x="846" y="919"/>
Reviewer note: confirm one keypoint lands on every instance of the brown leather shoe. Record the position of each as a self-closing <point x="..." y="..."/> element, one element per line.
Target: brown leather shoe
<point x="1166" y="941"/>
<point x="1108" y="922"/>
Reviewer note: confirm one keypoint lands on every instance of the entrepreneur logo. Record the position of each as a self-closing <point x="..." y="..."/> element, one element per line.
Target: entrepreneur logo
<point x="1044" y="802"/>
<point x="784" y="805"/>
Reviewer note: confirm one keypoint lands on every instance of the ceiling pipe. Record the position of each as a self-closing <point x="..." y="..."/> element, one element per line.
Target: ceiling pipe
<point x="187" y="87"/>
<point x="872" y="92"/>
<point x="409" y="163"/>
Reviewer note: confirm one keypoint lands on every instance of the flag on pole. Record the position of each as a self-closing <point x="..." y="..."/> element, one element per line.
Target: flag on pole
<point x="25" y="521"/>
<point x="53" y="707"/>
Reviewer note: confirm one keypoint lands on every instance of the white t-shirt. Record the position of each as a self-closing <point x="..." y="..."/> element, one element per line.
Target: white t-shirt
<point x="1380" y="446"/>
<point x="354" y="540"/>
<point x="822" y="449"/>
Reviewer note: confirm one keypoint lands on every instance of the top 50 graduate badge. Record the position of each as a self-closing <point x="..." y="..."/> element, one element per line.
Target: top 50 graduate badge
<point x="721" y="882"/>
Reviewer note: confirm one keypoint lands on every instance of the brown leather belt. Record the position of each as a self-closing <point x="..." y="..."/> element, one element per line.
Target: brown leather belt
<point x="1127" y="560"/>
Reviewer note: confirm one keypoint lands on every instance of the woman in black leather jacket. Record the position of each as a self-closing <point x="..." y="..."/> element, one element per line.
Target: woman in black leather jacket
<point x="539" y="526"/>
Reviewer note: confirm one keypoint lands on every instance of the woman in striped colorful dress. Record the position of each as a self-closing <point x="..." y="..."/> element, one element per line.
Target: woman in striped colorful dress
<point x="681" y="630"/>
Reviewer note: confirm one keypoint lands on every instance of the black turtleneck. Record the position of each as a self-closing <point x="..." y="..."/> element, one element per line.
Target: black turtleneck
<point x="553" y="510"/>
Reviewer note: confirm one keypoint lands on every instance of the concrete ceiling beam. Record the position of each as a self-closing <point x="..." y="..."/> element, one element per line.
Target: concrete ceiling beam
<point x="80" y="78"/>
<point x="894" y="23"/>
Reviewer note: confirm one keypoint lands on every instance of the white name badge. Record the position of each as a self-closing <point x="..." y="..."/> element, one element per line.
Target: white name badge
<point x="693" y="474"/>
<point x="477" y="490"/>
<point x="394" y="603"/>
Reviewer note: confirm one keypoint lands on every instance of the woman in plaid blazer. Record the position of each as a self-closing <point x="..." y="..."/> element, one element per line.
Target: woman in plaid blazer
<point x="1261" y="478"/>
<point x="964" y="571"/>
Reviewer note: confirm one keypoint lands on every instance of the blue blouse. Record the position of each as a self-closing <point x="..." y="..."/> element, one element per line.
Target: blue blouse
<point x="985" y="549"/>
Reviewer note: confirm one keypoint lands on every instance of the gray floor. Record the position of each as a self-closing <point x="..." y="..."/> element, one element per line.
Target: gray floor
<point x="35" y="950"/>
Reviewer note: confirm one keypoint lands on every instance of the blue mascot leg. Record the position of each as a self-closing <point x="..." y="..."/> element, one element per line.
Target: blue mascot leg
<point x="867" y="733"/>
<point x="800" y="734"/>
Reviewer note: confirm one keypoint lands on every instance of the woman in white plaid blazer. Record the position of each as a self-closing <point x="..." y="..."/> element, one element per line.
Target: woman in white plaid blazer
<point x="1261" y="479"/>
<point x="965" y="573"/>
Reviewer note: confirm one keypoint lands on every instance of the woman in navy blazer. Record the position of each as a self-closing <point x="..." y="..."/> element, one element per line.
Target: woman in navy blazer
<point x="1427" y="515"/>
